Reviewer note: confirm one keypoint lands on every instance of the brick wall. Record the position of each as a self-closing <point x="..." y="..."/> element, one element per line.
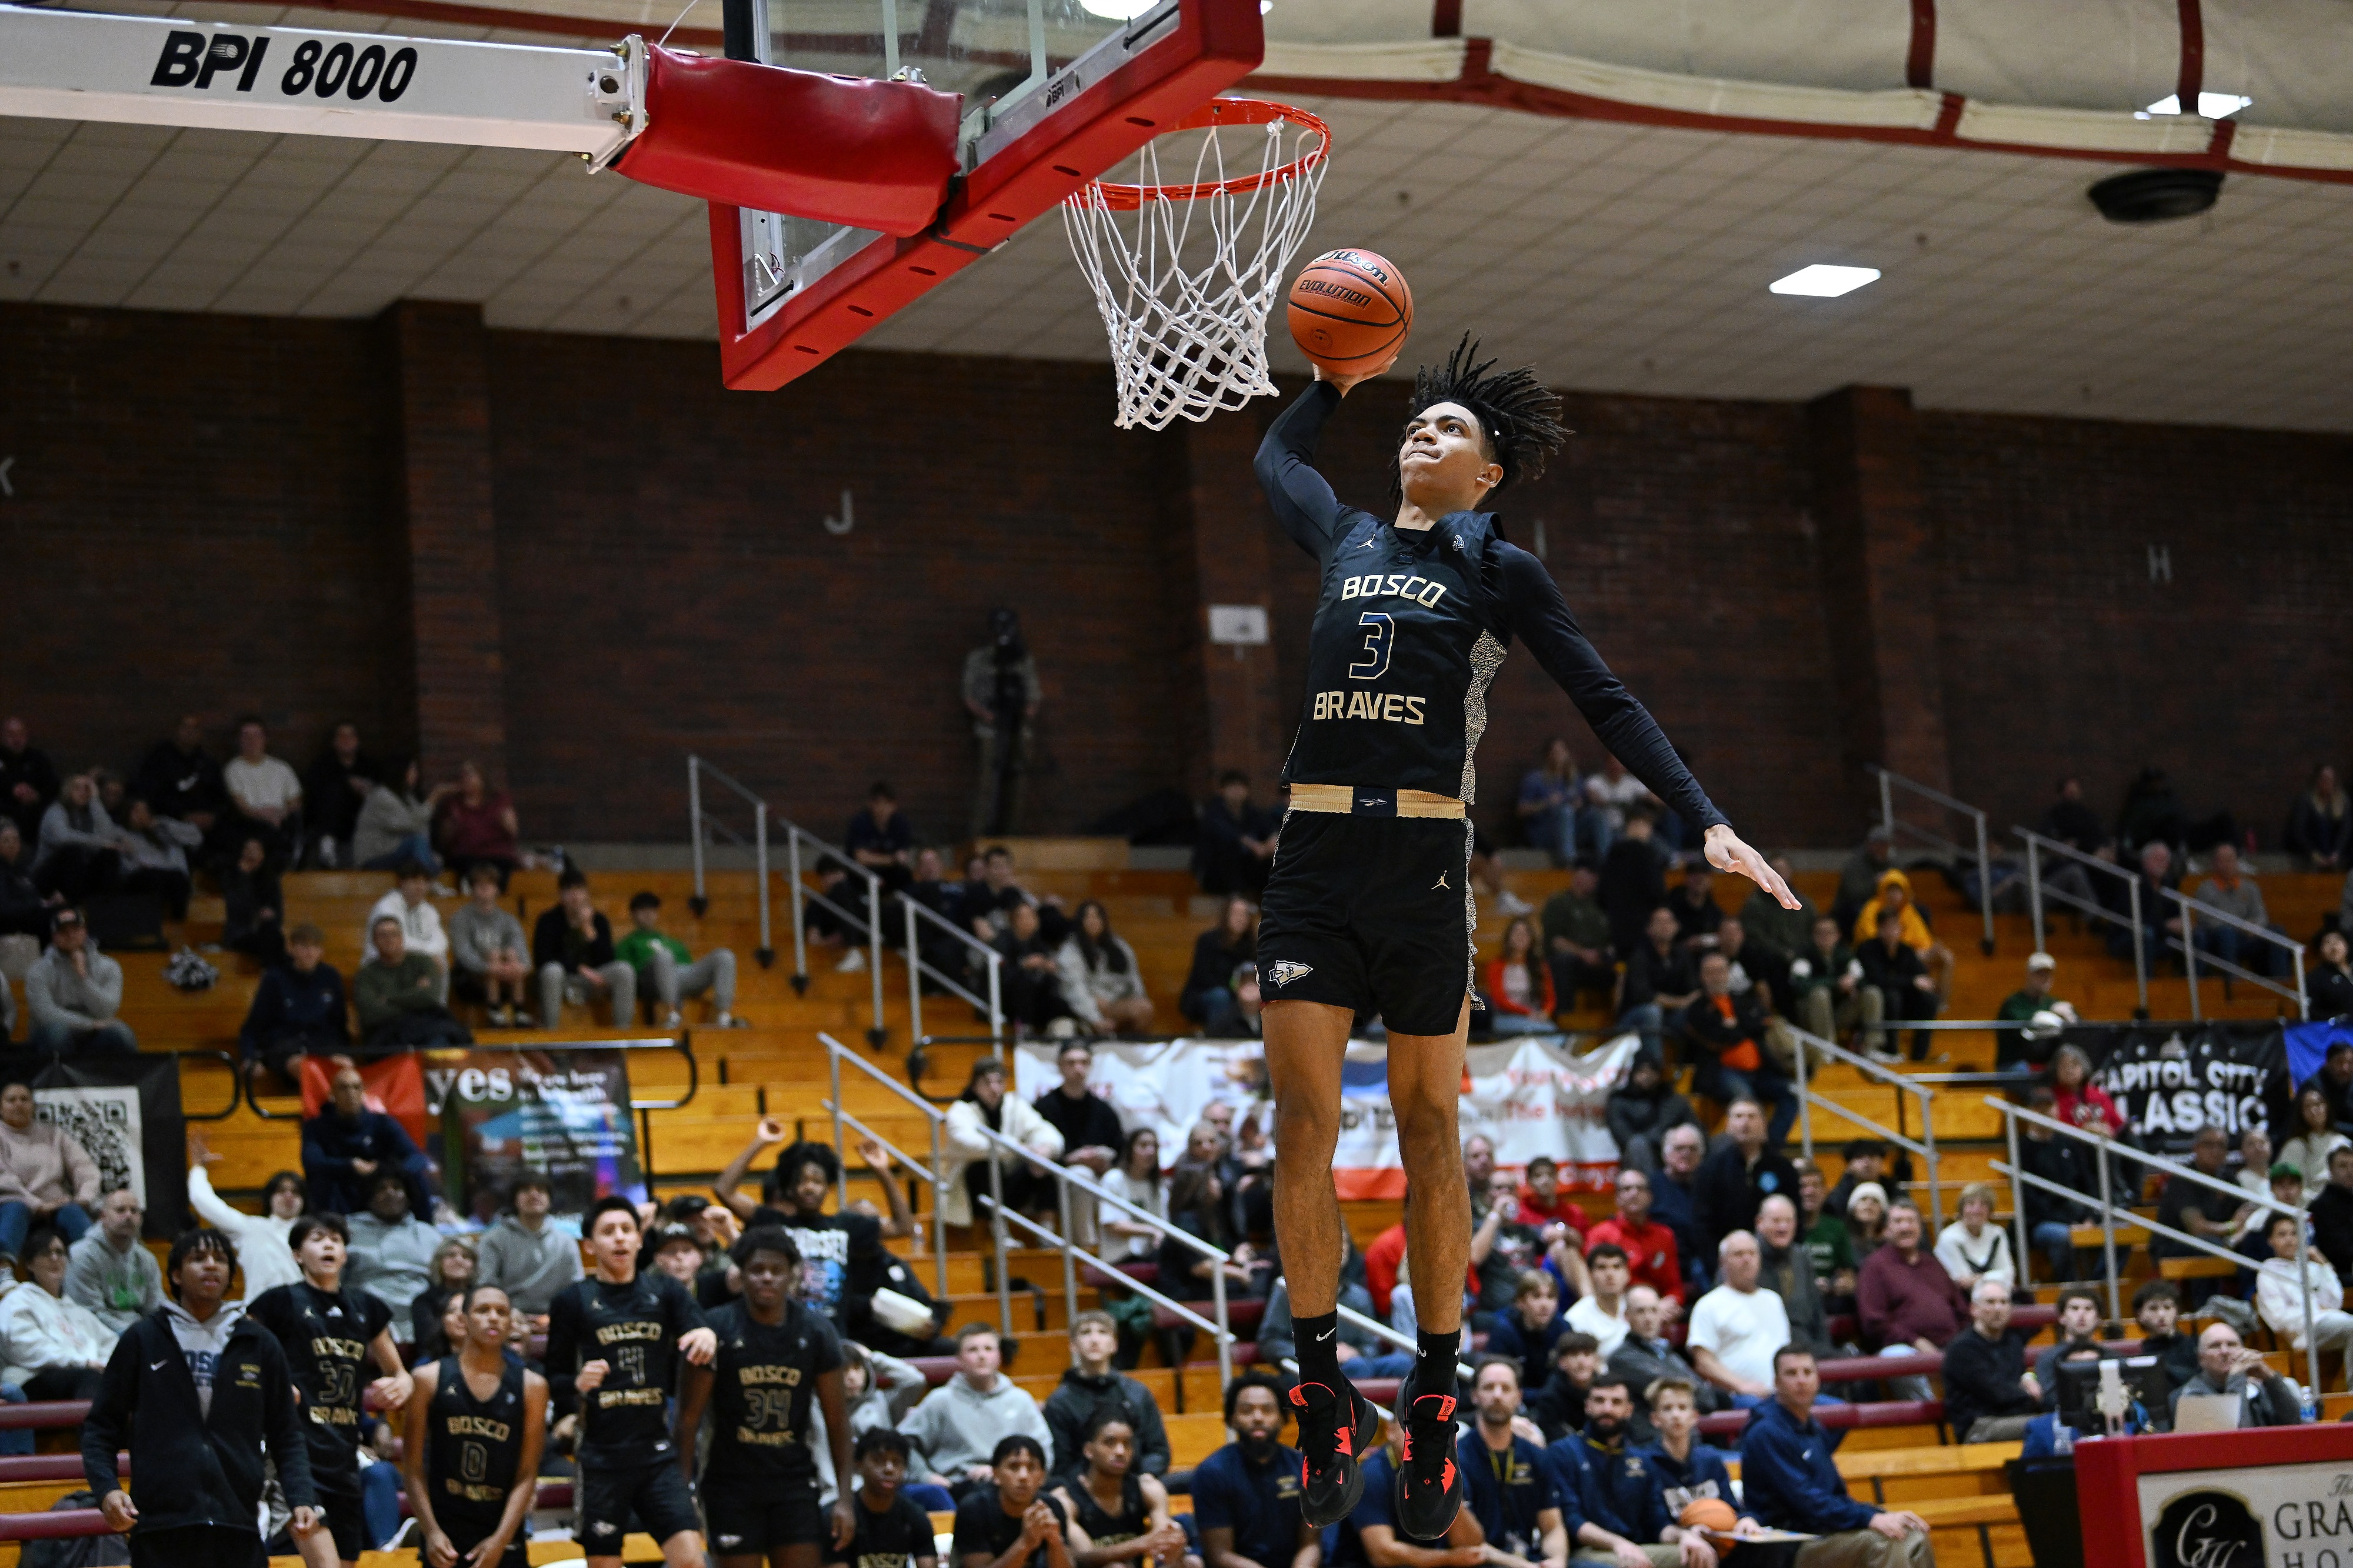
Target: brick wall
<point x="206" y="516"/>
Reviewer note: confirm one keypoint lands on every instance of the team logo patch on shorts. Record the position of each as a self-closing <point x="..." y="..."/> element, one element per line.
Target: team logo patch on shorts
<point x="1285" y="972"/>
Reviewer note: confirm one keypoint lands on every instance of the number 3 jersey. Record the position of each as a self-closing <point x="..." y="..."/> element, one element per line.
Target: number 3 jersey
<point x="762" y="1382"/>
<point x="1410" y="628"/>
<point x="326" y="1336"/>
<point x="634" y="1330"/>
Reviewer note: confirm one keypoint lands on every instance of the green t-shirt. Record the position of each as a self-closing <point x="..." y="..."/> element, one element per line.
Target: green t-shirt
<point x="1830" y="1247"/>
<point x="636" y="949"/>
<point x="1580" y="921"/>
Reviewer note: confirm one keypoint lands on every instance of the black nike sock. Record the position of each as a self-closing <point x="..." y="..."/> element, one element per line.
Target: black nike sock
<point x="1434" y="1360"/>
<point x="1318" y="1342"/>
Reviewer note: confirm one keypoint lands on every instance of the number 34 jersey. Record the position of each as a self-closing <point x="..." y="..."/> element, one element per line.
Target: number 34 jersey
<point x="762" y="1382"/>
<point x="1411" y="627"/>
<point x="326" y="1336"/>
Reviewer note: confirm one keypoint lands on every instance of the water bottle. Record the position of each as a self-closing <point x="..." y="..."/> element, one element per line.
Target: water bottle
<point x="2063" y="1440"/>
<point x="2308" y="1403"/>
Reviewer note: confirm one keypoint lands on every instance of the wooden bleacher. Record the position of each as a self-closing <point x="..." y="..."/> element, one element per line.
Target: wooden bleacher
<point x="777" y="1068"/>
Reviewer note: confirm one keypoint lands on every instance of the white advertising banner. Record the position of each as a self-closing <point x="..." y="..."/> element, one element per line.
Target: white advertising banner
<point x="2283" y="1516"/>
<point x="1532" y="1096"/>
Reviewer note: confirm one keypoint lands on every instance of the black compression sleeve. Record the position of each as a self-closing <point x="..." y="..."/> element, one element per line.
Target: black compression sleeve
<point x="1535" y="612"/>
<point x="1302" y="500"/>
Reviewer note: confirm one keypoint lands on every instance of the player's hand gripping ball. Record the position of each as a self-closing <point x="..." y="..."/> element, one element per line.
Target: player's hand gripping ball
<point x="1350" y="312"/>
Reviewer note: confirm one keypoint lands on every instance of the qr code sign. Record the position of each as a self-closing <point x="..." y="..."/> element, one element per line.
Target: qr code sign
<point x="105" y="1122"/>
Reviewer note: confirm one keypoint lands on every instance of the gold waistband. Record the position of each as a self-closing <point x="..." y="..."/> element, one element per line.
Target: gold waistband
<point x="1343" y="800"/>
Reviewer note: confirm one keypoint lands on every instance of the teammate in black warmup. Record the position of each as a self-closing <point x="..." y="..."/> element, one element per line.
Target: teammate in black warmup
<point x="891" y="1533"/>
<point x="1369" y="906"/>
<point x="1117" y="1512"/>
<point x="329" y="1335"/>
<point x="1009" y="1523"/>
<point x="759" y="1484"/>
<point x="476" y="1425"/>
<point x="615" y="1340"/>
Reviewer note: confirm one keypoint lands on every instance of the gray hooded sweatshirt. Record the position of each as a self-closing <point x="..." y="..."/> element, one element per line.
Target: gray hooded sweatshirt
<point x="531" y="1268"/>
<point x="957" y="1425"/>
<point x="202" y="1342"/>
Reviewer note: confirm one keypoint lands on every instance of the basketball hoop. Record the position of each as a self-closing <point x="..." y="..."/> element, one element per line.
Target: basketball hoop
<point x="1186" y="301"/>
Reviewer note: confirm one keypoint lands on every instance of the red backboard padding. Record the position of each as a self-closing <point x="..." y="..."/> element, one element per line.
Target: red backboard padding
<point x="872" y="154"/>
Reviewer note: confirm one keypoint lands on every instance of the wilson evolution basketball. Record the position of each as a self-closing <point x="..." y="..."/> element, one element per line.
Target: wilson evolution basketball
<point x="1350" y="309"/>
<point x="1709" y="1513"/>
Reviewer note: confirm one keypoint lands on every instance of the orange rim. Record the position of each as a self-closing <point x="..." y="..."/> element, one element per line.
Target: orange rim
<point x="1225" y="111"/>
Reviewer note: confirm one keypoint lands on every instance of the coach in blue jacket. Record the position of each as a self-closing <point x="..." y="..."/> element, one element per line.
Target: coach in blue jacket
<point x="1790" y="1481"/>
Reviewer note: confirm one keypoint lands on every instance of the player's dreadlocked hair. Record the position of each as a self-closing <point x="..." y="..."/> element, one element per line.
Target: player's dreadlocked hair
<point x="1519" y="417"/>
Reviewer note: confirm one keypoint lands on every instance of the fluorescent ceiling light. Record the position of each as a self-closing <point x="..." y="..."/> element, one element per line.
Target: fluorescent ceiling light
<point x="1117" y="10"/>
<point x="1824" y="281"/>
<point x="2210" y="106"/>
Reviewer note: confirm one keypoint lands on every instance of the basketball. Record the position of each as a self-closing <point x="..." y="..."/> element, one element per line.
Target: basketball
<point x="1708" y="1513"/>
<point x="1349" y="311"/>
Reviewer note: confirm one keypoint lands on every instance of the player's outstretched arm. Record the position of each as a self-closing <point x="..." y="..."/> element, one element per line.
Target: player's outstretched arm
<point x="1301" y="497"/>
<point x="1535" y="612"/>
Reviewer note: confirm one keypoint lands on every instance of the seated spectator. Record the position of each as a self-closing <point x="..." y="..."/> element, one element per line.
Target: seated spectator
<point x="1673" y="1202"/>
<point x="1736" y="1327"/>
<point x="1534" y="1324"/>
<point x="2080" y="1102"/>
<point x="2078" y="1329"/>
<point x="1646" y="1355"/>
<point x="1827" y="1248"/>
<point x="2316" y="1137"/>
<point x="1973" y="1247"/>
<point x="2328" y="983"/>
<point x="2225" y="1366"/>
<point x="1601" y="1311"/>
<point x="1744" y="1170"/>
<point x="46" y="1177"/>
<point x="394" y="828"/>
<point x="2157" y="1309"/>
<point x="1866" y="1160"/>
<point x="155" y="852"/>
<point x="253" y="904"/>
<point x="2198" y="1209"/>
<point x="1245" y="1501"/>
<point x="28" y="779"/>
<point x="51" y="1347"/>
<point x="1512" y="1491"/>
<point x="1208" y="997"/>
<point x="24" y="908"/>
<point x="1858" y="878"/>
<point x="844" y="1261"/>
<point x="1616" y="797"/>
<point x="2320" y="823"/>
<point x="1895" y="897"/>
<point x="1633" y="882"/>
<point x="2018" y="1050"/>
<point x="299" y="1009"/>
<point x="1030" y="988"/>
<point x="1361" y="1353"/>
<point x="2159" y="924"/>
<point x="984" y="1103"/>
<point x="1754" y="966"/>
<point x="346" y="1146"/>
<point x="1559" y="1406"/>
<point x="881" y="840"/>
<point x="1117" y="1512"/>
<point x="336" y="791"/>
<point x="1201" y="1206"/>
<point x="1091" y="1391"/>
<point x="1727" y="1032"/>
<point x="1866" y="1223"/>
<point x="572" y="946"/>
<point x="1640" y="1112"/>
<point x="1907" y="993"/>
<point x="985" y="903"/>
<point x="80" y="848"/>
<point x="2233" y="892"/>
<point x="1517" y="984"/>
<point x="1787" y="931"/>
<point x="669" y="969"/>
<point x="454" y="1267"/>
<point x="2292" y="1267"/>
<point x="478" y="824"/>
<point x="410" y="901"/>
<point x="1661" y="981"/>
<point x="1246" y="1019"/>
<point x="1551" y="803"/>
<point x="1503" y="1248"/>
<point x="1008" y="1517"/>
<point x="1697" y="916"/>
<point x="109" y="1271"/>
<point x="72" y="993"/>
<point x="960" y="1423"/>
<point x="2335" y="1080"/>
<point x="1091" y="1135"/>
<point x="1576" y="940"/>
<point x="180" y="780"/>
<point x="1786" y="1269"/>
<point x="1235" y="846"/>
<point x="1100" y="980"/>
<point x="265" y="795"/>
<point x="1653" y="1253"/>
<point x="1908" y="1304"/>
<point x="524" y="1256"/>
<point x="398" y="997"/>
<point x="1789" y="1479"/>
<point x="1990" y="1395"/>
<point x="1827" y="996"/>
<point x="489" y="958"/>
<point x="391" y="1250"/>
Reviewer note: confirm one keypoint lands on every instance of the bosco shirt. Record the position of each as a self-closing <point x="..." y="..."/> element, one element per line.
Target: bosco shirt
<point x="762" y="1381"/>
<point x="1260" y="1503"/>
<point x="634" y="1329"/>
<point x="895" y="1538"/>
<point x="325" y="1335"/>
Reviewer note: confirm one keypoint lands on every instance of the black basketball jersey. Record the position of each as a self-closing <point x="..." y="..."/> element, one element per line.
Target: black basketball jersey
<point x="1110" y="1528"/>
<point x="326" y="1336"/>
<point x="634" y="1329"/>
<point x="473" y="1448"/>
<point x="762" y="1381"/>
<point x="1410" y="627"/>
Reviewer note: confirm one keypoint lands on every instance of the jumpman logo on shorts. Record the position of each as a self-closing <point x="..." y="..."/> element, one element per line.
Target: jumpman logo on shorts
<point x="1440" y="883"/>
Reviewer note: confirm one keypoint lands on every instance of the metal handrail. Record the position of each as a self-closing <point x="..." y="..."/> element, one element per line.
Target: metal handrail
<point x="2110" y="1211"/>
<point x="1383" y="1331"/>
<point x="2194" y="910"/>
<point x="695" y="768"/>
<point x="235" y="1085"/>
<point x="917" y="968"/>
<point x="682" y="1043"/>
<point x="1888" y="782"/>
<point x="1070" y="1250"/>
<point x="1807" y="1100"/>
<point x="2037" y="846"/>
<point x="835" y="1053"/>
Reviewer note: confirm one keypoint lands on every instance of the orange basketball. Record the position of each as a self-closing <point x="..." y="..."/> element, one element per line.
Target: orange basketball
<point x="1349" y="311"/>
<point x="1709" y="1513"/>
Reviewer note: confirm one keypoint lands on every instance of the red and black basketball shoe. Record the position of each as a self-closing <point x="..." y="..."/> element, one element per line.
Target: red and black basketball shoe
<point x="1430" y="1486"/>
<point x="1335" y="1427"/>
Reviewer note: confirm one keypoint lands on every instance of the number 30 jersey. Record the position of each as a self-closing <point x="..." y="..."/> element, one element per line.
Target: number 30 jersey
<point x="634" y="1330"/>
<point x="326" y="1336"/>
<point x="1411" y="627"/>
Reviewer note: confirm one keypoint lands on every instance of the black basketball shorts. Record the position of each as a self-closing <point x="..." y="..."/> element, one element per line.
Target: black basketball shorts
<point x="748" y="1519"/>
<point x="1372" y="913"/>
<point x="346" y="1521"/>
<point x="656" y="1494"/>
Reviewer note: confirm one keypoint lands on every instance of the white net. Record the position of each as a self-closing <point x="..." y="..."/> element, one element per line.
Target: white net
<point x="1185" y="274"/>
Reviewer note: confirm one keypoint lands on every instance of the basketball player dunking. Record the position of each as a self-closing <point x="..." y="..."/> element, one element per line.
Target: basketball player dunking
<point x="1369" y="906"/>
